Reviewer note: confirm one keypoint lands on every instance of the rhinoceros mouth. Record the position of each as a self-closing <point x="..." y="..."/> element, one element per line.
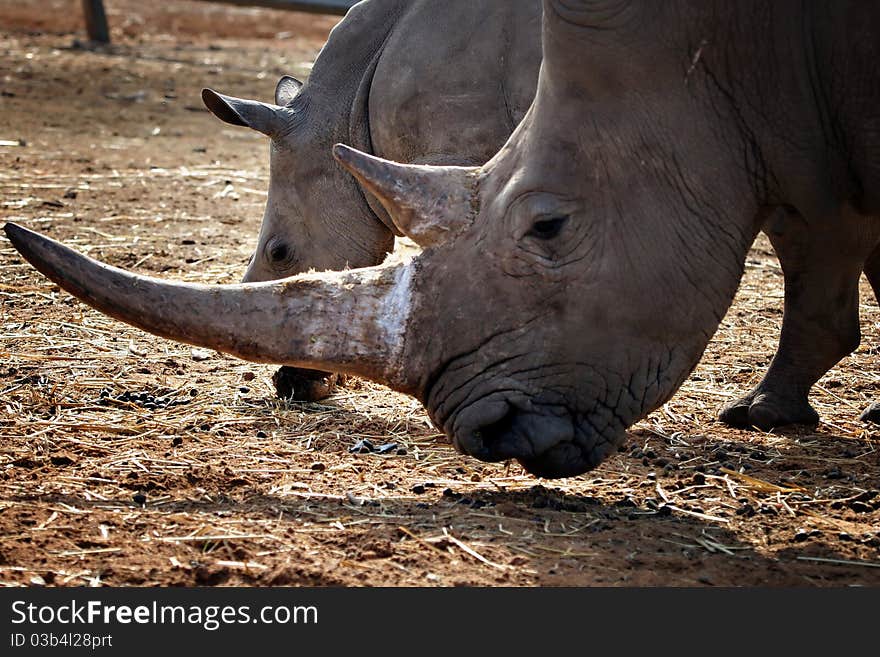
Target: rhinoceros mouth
<point x="547" y="440"/>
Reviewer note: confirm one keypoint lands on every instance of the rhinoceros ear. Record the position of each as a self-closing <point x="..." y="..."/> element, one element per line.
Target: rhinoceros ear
<point x="286" y="90"/>
<point x="428" y="204"/>
<point x="262" y="117"/>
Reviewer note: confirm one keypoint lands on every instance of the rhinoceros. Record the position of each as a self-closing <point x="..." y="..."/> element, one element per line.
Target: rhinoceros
<point x="414" y="81"/>
<point x="568" y="286"/>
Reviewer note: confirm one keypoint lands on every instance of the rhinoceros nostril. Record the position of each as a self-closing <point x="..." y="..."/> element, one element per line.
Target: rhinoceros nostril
<point x="501" y="435"/>
<point x="495" y="434"/>
<point x="502" y="431"/>
<point x="473" y="432"/>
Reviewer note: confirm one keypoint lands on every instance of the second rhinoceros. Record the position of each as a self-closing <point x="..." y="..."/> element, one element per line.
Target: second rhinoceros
<point x="414" y="81"/>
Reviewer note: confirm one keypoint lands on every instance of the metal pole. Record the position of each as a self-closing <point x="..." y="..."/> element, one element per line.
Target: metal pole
<point x="96" y="21"/>
<point x="338" y="7"/>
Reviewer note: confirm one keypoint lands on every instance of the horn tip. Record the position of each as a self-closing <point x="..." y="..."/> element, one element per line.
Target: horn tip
<point x="27" y="242"/>
<point x="14" y="232"/>
<point x="342" y="152"/>
<point x="353" y="159"/>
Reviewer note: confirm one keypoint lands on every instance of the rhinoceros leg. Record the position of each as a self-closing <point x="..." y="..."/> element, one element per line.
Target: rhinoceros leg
<point x="297" y="384"/>
<point x="872" y="273"/>
<point x="820" y="325"/>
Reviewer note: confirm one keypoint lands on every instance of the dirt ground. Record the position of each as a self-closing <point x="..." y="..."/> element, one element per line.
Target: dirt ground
<point x="130" y="460"/>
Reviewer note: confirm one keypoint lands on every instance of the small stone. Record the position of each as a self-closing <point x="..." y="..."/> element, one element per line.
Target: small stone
<point x="699" y="478"/>
<point x="318" y="467"/>
<point x="363" y="446"/>
<point x="248" y="376"/>
<point x="139" y="498"/>
<point x="801" y="535"/>
<point x="418" y="489"/>
<point x="200" y="354"/>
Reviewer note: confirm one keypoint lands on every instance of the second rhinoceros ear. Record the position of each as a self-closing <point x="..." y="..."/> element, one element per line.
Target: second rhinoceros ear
<point x="286" y="90"/>
<point x="428" y="204"/>
<point x="262" y="117"/>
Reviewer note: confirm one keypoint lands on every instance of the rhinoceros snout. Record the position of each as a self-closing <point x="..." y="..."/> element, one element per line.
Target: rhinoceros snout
<point x="540" y="440"/>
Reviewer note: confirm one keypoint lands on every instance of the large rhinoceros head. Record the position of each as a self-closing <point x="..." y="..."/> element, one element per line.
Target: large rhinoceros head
<point x="565" y="289"/>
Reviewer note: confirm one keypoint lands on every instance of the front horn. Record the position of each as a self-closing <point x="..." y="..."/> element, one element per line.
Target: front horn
<point x="349" y="321"/>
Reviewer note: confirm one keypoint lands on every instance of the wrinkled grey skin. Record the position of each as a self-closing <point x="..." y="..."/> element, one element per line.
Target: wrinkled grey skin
<point x="413" y="81"/>
<point x="569" y="286"/>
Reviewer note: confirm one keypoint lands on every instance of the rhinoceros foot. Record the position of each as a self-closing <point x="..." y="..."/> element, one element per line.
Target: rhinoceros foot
<point x="294" y="383"/>
<point x="767" y="410"/>
<point x="871" y="414"/>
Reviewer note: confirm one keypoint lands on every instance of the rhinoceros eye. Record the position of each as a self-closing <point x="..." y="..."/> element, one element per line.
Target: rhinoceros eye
<point x="278" y="253"/>
<point x="548" y="228"/>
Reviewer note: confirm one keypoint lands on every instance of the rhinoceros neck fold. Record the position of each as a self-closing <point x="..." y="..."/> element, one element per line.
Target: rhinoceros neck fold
<point x="350" y="321"/>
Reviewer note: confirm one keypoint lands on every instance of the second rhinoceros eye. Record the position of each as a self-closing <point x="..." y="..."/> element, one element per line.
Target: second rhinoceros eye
<point x="547" y="228"/>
